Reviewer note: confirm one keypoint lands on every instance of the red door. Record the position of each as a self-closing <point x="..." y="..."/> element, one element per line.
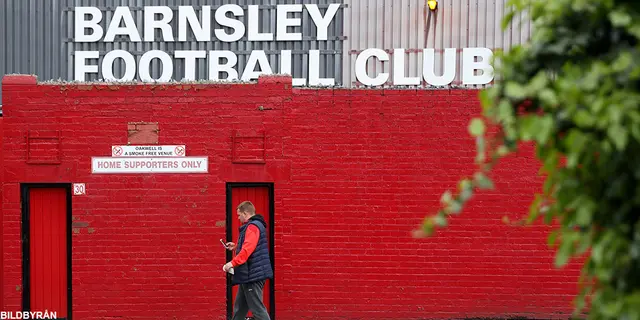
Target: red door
<point x="260" y="196"/>
<point x="47" y="268"/>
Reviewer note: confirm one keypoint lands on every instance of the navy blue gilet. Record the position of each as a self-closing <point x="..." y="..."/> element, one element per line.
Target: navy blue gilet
<point x="258" y="265"/>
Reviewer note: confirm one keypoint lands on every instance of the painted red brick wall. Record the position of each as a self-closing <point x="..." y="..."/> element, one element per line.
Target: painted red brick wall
<point x="354" y="171"/>
<point x="1" y="214"/>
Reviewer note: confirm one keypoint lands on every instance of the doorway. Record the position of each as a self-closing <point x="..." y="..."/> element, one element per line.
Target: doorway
<point x="262" y="197"/>
<point x="46" y="248"/>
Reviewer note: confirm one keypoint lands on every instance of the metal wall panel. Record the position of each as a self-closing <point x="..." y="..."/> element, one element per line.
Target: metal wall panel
<point x="409" y="24"/>
<point x="330" y="54"/>
<point x="37" y="38"/>
<point x="37" y="35"/>
<point x="30" y="38"/>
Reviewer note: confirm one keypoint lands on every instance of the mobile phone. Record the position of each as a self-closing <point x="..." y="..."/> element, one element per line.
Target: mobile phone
<point x="223" y="244"/>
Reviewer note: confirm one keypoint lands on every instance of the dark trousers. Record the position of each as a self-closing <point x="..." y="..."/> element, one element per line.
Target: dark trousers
<point x="249" y="297"/>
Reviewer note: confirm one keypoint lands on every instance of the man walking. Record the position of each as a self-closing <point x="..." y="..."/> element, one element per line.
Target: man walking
<point x="251" y="265"/>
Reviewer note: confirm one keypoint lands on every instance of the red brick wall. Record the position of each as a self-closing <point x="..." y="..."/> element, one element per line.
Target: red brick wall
<point x="354" y="170"/>
<point x="1" y="215"/>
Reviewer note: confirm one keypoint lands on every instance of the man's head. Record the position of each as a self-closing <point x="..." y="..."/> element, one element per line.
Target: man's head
<point x="245" y="211"/>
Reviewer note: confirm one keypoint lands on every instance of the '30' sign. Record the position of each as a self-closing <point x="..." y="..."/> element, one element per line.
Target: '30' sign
<point x="79" y="189"/>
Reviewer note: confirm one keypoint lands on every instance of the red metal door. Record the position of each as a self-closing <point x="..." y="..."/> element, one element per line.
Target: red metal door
<point x="48" y="256"/>
<point x="260" y="196"/>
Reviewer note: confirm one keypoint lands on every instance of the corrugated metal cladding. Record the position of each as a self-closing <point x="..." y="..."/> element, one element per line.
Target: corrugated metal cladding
<point x="37" y="35"/>
<point x="409" y="24"/>
<point x="38" y="38"/>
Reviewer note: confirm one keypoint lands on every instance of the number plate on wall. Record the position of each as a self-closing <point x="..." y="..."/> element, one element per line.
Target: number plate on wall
<point x="78" y="189"/>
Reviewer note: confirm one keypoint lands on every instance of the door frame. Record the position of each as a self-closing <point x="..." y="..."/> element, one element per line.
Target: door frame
<point x="229" y="231"/>
<point x="26" y="264"/>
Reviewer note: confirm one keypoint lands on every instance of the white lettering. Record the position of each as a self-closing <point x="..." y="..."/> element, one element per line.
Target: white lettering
<point x="215" y="67"/>
<point x="81" y="24"/>
<point x="202" y="32"/>
<point x="470" y="66"/>
<point x="149" y="165"/>
<point x="253" y="22"/>
<point x="361" y="67"/>
<point x="223" y="20"/>
<point x="190" y="61"/>
<point x="129" y="65"/>
<point x="399" y="78"/>
<point x="283" y="22"/>
<point x="314" y="70"/>
<point x="28" y="315"/>
<point x="150" y="23"/>
<point x="428" y="67"/>
<point x="80" y="66"/>
<point x="122" y="14"/>
<point x="256" y="57"/>
<point x="285" y="68"/>
<point x="167" y="66"/>
<point x="322" y="23"/>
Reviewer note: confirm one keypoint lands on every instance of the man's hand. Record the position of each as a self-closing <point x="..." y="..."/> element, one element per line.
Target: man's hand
<point x="227" y="266"/>
<point x="231" y="246"/>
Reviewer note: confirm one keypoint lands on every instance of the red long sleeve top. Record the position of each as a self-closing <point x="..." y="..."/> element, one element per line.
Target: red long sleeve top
<point x="248" y="246"/>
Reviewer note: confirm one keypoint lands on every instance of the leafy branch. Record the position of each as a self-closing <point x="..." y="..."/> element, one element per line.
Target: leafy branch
<point x="572" y="92"/>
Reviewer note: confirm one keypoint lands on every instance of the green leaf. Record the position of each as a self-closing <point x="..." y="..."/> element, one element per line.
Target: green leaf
<point x="584" y="119"/>
<point x="545" y="127"/>
<point x="506" y="21"/>
<point x="486" y="100"/>
<point x="548" y="97"/>
<point x="534" y="209"/>
<point x="620" y="18"/>
<point x="482" y="181"/>
<point x="566" y="248"/>
<point x="466" y="190"/>
<point x="551" y="161"/>
<point x="623" y="62"/>
<point x="427" y="227"/>
<point x="553" y="237"/>
<point x="563" y="255"/>
<point x="538" y="82"/>
<point x="454" y="207"/>
<point x="618" y="136"/>
<point x="584" y="212"/>
<point x="635" y="30"/>
<point x="576" y="141"/>
<point x="446" y="197"/>
<point x="515" y="91"/>
<point x="502" y="151"/>
<point x="529" y="128"/>
<point x="476" y="127"/>
<point x="584" y="244"/>
<point x="480" y="156"/>
<point x="440" y="220"/>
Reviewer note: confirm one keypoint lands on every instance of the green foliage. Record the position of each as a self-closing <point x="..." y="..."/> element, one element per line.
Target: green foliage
<point x="573" y="92"/>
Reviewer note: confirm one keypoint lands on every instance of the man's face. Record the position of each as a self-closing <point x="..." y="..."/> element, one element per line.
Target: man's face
<point x="243" y="217"/>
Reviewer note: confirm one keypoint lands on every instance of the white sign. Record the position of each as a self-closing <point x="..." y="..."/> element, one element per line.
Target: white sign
<point x="149" y="165"/>
<point x="79" y="189"/>
<point x="87" y="28"/>
<point x="148" y="151"/>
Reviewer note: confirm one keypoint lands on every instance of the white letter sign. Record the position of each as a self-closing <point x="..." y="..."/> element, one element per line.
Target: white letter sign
<point x="236" y="42"/>
<point x="105" y="165"/>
